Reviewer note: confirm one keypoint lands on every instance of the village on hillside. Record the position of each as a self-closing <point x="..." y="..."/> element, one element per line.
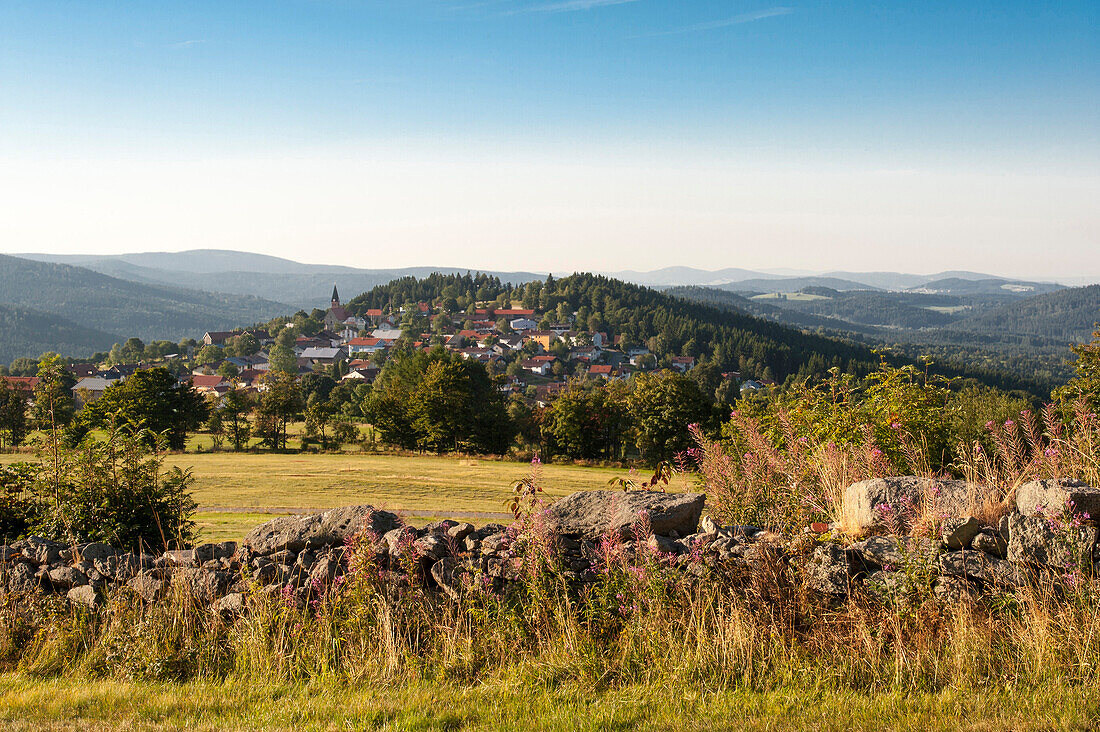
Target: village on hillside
<point x="535" y="352"/>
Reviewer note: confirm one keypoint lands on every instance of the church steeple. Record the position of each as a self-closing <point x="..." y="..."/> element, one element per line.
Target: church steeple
<point x="335" y="296"/>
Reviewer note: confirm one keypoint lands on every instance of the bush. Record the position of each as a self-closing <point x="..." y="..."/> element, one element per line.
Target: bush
<point x="18" y="509"/>
<point x="114" y="490"/>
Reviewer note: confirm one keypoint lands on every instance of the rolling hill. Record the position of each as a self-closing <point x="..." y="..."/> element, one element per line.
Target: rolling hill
<point x="31" y="333"/>
<point x="300" y="285"/>
<point x="1069" y="315"/>
<point x="111" y="305"/>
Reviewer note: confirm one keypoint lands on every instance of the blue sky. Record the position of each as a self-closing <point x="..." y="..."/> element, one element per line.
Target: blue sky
<point x="500" y="111"/>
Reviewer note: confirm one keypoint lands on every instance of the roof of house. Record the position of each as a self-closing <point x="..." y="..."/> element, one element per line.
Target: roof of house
<point x="322" y="352"/>
<point x="505" y="312"/>
<point x="22" y="383"/>
<point x="600" y="369"/>
<point x="364" y="341"/>
<point x="92" y="383"/>
<point x="374" y="312"/>
<point x="683" y="359"/>
<point x="206" y="382"/>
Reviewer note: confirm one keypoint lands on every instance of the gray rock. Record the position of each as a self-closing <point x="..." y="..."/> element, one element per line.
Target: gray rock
<point x="975" y="565"/>
<point x="20" y="578"/>
<point x="891" y="553"/>
<point x="890" y="584"/>
<point x="269" y="573"/>
<point x="707" y="525"/>
<point x="84" y="595"/>
<point x="323" y="571"/>
<point x="493" y="544"/>
<point x="431" y="546"/>
<point x="399" y="539"/>
<point x="459" y="532"/>
<point x="305" y="560"/>
<point x="663" y="544"/>
<point x="47" y="555"/>
<point x="827" y="572"/>
<point x="95" y="550"/>
<point x="1033" y="539"/>
<point x="861" y="500"/>
<point x="1052" y="497"/>
<point x="446" y="574"/>
<point x="953" y="589"/>
<point x="591" y="514"/>
<point x="991" y="542"/>
<point x="231" y="604"/>
<point x="201" y="584"/>
<point x="65" y="578"/>
<point x="148" y="587"/>
<point x="178" y="558"/>
<point x="331" y="527"/>
<point x="957" y="533"/>
<point x="206" y="552"/>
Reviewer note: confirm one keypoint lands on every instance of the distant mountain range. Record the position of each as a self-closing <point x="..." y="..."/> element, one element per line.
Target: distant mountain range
<point x="110" y="308"/>
<point x="307" y="285"/>
<point x="302" y="286"/>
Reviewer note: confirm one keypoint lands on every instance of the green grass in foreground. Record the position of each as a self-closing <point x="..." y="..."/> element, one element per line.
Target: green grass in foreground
<point x="78" y="704"/>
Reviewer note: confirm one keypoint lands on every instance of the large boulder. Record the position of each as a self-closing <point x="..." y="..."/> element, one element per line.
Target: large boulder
<point x="862" y="500"/>
<point x="1038" y="540"/>
<point x="591" y="514"/>
<point x="1053" y="497"/>
<point x="295" y="533"/>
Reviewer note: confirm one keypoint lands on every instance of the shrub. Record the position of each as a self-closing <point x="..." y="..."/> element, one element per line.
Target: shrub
<point x="18" y="509"/>
<point x="113" y="490"/>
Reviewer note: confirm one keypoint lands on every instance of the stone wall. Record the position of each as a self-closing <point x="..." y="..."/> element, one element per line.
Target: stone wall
<point x="299" y="556"/>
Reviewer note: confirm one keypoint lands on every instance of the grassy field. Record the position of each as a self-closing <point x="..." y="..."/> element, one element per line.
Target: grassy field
<point x="238" y="491"/>
<point x="76" y="704"/>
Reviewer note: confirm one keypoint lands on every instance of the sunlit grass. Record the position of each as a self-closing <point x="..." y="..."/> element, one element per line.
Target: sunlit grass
<point x="453" y="487"/>
<point x="73" y="703"/>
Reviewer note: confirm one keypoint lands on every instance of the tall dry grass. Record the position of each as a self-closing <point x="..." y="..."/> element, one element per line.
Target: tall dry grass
<point x="639" y="622"/>
<point x="787" y="477"/>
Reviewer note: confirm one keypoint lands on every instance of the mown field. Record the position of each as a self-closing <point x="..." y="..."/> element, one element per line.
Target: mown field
<point x="236" y="491"/>
<point x="76" y="704"/>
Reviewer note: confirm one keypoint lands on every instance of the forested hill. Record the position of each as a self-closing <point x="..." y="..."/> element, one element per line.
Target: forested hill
<point x="107" y="304"/>
<point x="30" y="332"/>
<point x="1069" y="315"/>
<point x="726" y="300"/>
<point x="643" y="317"/>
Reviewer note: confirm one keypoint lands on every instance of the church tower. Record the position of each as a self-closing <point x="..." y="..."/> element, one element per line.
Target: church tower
<point x="335" y="296"/>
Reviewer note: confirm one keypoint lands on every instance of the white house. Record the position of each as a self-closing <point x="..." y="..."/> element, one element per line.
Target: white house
<point x="521" y="324"/>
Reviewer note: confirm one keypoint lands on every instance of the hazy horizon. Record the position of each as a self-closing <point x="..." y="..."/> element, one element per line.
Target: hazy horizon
<point x="1071" y="280"/>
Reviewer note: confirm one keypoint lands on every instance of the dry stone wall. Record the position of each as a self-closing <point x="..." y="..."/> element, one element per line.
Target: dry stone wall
<point x="299" y="556"/>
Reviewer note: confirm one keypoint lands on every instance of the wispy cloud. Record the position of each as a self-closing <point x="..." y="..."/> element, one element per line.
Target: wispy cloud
<point x="566" y="6"/>
<point x="724" y="23"/>
<point x="186" y="44"/>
